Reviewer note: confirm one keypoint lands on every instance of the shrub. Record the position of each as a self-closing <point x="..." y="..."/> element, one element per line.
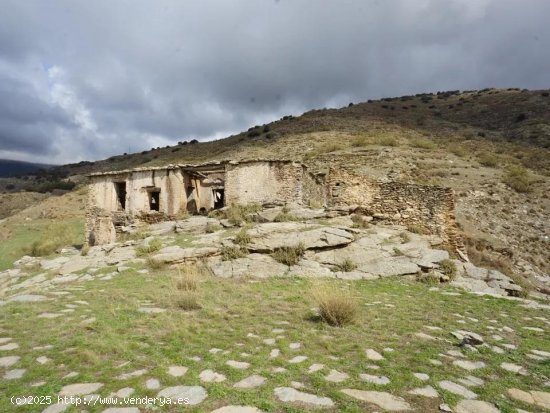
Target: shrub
<point x="187" y="278"/>
<point x="405" y="237"/>
<point x="360" y="141"/>
<point x="457" y="150"/>
<point x="517" y="178"/>
<point x="242" y="238"/>
<point x="336" y="307"/>
<point x="423" y="144"/>
<point x="232" y="252"/>
<point x="386" y="140"/>
<point x="237" y="214"/>
<point x="346" y="266"/>
<point x="155" y="264"/>
<point x="448" y="268"/>
<point x="359" y="221"/>
<point x="186" y="300"/>
<point x="289" y="255"/>
<point x="430" y="278"/>
<point x="212" y="227"/>
<point x="488" y="159"/>
<point x="154" y="245"/>
<point x="285" y="216"/>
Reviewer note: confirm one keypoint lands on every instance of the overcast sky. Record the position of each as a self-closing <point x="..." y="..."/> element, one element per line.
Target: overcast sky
<point x="83" y="80"/>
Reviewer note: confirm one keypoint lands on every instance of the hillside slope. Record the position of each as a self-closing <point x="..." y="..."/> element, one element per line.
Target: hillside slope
<point x="492" y="147"/>
<point x="13" y="168"/>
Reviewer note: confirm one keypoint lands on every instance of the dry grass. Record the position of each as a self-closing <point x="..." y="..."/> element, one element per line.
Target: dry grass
<point x="346" y="266"/>
<point x="155" y="264"/>
<point x="242" y="238"/>
<point x="289" y="255"/>
<point x="154" y="245"/>
<point x="232" y="252"/>
<point x="337" y="307"/>
<point x="517" y="178"/>
<point x="212" y="227"/>
<point x="417" y="229"/>
<point x="237" y="214"/>
<point x="488" y="159"/>
<point x="448" y="268"/>
<point x="187" y="278"/>
<point x="423" y="144"/>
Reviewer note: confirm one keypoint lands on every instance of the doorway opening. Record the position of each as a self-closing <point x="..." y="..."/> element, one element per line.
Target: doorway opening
<point x="120" y="189"/>
<point x="154" y="200"/>
<point x="219" y="198"/>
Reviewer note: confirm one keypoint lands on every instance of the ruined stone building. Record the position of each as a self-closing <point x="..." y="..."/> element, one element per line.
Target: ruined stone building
<point x="119" y="197"/>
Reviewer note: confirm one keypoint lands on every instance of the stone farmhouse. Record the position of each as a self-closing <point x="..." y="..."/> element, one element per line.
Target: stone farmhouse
<point x="118" y="198"/>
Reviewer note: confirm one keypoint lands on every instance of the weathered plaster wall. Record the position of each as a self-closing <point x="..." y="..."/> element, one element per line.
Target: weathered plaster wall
<point x="263" y="182"/>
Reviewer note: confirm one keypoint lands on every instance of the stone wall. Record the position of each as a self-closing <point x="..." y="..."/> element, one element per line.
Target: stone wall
<point x="428" y="208"/>
<point x="263" y="182"/>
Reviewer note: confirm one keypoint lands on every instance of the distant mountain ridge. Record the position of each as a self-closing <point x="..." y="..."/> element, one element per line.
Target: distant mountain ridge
<point x="10" y="167"/>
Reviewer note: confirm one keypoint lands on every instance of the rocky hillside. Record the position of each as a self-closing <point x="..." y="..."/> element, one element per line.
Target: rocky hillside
<point x="491" y="146"/>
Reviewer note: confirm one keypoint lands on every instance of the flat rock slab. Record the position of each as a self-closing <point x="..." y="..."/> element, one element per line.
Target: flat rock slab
<point x="318" y="238"/>
<point x="288" y="394"/>
<point x="175" y="254"/>
<point x="469" y="365"/>
<point x="250" y="382"/>
<point x="14" y="374"/>
<point x="515" y="368"/>
<point x="336" y="376"/>
<point x="237" y="409"/>
<point x="210" y="376"/>
<point x="9" y="346"/>
<point x="537" y="398"/>
<point x="457" y="389"/>
<point x="194" y="394"/>
<point x="9" y="361"/>
<point x="28" y="298"/>
<point x="121" y="410"/>
<point x="240" y="365"/>
<point x="177" y="371"/>
<point x="383" y="400"/>
<point x="373" y="355"/>
<point x="79" y="389"/>
<point x="426" y="391"/>
<point x="475" y="406"/>
<point x="253" y="265"/>
<point x="132" y="374"/>
<point x="381" y="380"/>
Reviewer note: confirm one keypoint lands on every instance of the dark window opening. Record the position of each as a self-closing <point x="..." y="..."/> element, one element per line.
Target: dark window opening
<point x="219" y="199"/>
<point x="154" y="200"/>
<point x="120" y="188"/>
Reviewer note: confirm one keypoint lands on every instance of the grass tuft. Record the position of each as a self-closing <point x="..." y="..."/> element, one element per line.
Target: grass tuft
<point x="232" y="252"/>
<point x="337" y="307"/>
<point x="517" y="178"/>
<point x="289" y="255"/>
<point x="346" y="266"/>
<point x="448" y="268"/>
<point x="242" y="238"/>
<point x="154" y="245"/>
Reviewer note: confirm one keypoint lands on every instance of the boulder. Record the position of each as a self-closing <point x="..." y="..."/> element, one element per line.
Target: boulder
<point x="318" y="238"/>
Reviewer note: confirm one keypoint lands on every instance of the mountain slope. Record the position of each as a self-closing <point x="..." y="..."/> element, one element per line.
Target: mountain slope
<point x="14" y="168"/>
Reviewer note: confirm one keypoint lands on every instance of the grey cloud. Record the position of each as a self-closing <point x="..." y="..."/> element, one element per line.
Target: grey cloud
<point x="141" y="74"/>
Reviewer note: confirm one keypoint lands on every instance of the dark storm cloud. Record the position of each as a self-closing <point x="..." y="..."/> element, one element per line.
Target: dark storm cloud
<point x="82" y="80"/>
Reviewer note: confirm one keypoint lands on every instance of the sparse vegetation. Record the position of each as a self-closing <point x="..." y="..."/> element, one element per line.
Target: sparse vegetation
<point x="423" y="144"/>
<point x="346" y="265"/>
<point x="386" y="140"/>
<point x="337" y="307"/>
<point x="187" y="278"/>
<point x="148" y="248"/>
<point x="238" y="214"/>
<point x="233" y="252"/>
<point x="212" y="227"/>
<point x="517" y="178"/>
<point x="430" y="278"/>
<point x="285" y="216"/>
<point x="289" y="255"/>
<point x="448" y="268"/>
<point x="488" y="159"/>
<point x="242" y="238"/>
<point x="155" y="264"/>
<point x="51" y="239"/>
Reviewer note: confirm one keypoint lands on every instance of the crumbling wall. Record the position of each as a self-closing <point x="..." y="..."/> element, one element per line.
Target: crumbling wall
<point x="99" y="227"/>
<point x="263" y="182"/>
<point x="428" y="208"/>
<point x="314" y="190"/>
